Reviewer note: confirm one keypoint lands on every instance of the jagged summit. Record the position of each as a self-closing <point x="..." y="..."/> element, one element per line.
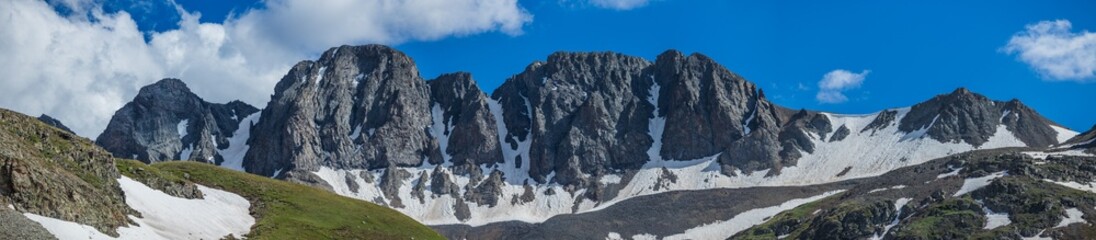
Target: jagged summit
<point x="166" y="121"/>
<point x="965" y="116"/>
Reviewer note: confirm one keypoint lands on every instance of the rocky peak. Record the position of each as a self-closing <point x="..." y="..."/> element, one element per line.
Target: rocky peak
<point x="54" y="122"/>
<point x="166" y="121"/>
<point x="965" y="116"/>
<point x="357" y="107"/>
<point x="706" y="106"/>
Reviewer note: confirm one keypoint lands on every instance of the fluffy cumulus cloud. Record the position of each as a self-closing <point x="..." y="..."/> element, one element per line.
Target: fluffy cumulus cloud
<point x="832" y="86"/>
<point x="82" y="67"/>
<point x="619" y="4"/>
<point x="1055" y="51"/>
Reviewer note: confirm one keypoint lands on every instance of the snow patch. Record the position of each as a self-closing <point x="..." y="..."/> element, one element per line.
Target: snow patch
<point x="166" y="217"/>
<point x="440" y="130"/>
<point x="237" y="144"/>
<point x="1072" y="216"/>
<point x="995" y="219"/>
<point x="185" y="154"/>
<point x="916" y="134"/>
<point x="744" y="220"/>
<point x="609" y="179"/>
<point x="181" y="128"/>
<point x="358" y="79"/>
<point x="1088" y="187"/>
<point x="644" y="236"/>
<point x="746" y="124"/>
<point x="1064" y="134"/>
<point x="949" y="174"/>
<point x="356" y="133"/>
<point x="896" y="187"/>
<point x="1044" y="155"/>
<point x="972" y="184"/>
<point x="614" y="236"/>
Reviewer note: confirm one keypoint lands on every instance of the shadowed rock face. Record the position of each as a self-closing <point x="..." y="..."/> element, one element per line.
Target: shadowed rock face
<point x="165" y="119"/>
<point x="467" y="118"/>
<point x="361" y="107"/>
<point x="963" y="116"/>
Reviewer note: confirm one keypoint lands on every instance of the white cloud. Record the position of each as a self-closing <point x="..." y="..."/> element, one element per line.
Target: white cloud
<point x="619" y="4"/>
<point x="81" y="70"/>
<point x="834" y="83"/>
<point x="1057" y="53"/>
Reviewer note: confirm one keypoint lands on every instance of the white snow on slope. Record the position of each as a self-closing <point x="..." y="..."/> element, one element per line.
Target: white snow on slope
<point x="949" y="174"/>
<point x="898" y="204"/>
<point x="181" y="128"/>
<point x="744" y="220"/>
<point x="972" y="184"/>
<point x="1044" y="155"/>
<point x="166" y="217"/>
<point x="896" y="187"/>
<point x="440" y="129"/>
<point x="1064" y="134"/>
<point x="1089" y="187"/>
<point x="237" y="144"/>
<point x="1072" y="216"/>
<point x="644" y="236"/>
<point x="185" y="153"/>
<point x="995" y="219"/>
<point x="614" y="236"/>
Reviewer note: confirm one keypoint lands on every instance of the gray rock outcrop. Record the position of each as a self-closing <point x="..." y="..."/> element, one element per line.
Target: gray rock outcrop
<point x="361" y="107"/>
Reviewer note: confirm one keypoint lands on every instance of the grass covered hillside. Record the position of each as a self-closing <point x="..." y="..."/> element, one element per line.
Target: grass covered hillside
<point x="286" y="210"/>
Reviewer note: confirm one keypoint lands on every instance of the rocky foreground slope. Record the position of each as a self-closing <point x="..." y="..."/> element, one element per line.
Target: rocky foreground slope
<point x="56" y="185"/>
<point x="576" y="133"/>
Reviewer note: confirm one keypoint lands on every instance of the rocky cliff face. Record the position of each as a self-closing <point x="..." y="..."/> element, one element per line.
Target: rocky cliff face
<point x="581" y="114"/>
<point x="168" y="122"/>
<point x="465" y="121"/>
<point x="562" y="136"/>
<point x="52" y="173"/>
<point x="359" y="107"/>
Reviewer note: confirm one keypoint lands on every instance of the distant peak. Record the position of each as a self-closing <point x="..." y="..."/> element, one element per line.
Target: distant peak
<point x="166" y="84"/>
<point x="961" y="90"/>
<point x="563" y="56"/>
<point x="455" y="78"/>
<point x="671" y="53"/>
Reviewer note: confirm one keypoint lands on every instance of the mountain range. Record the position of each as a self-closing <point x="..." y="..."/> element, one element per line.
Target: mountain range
<point x="604" y="145"/>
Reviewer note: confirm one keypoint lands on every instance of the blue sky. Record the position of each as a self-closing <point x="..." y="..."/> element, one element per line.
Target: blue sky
<point x="910" y="50"/>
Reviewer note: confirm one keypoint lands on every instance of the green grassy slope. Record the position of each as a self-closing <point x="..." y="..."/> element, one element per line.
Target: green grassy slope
<point x="286" y="210"/>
